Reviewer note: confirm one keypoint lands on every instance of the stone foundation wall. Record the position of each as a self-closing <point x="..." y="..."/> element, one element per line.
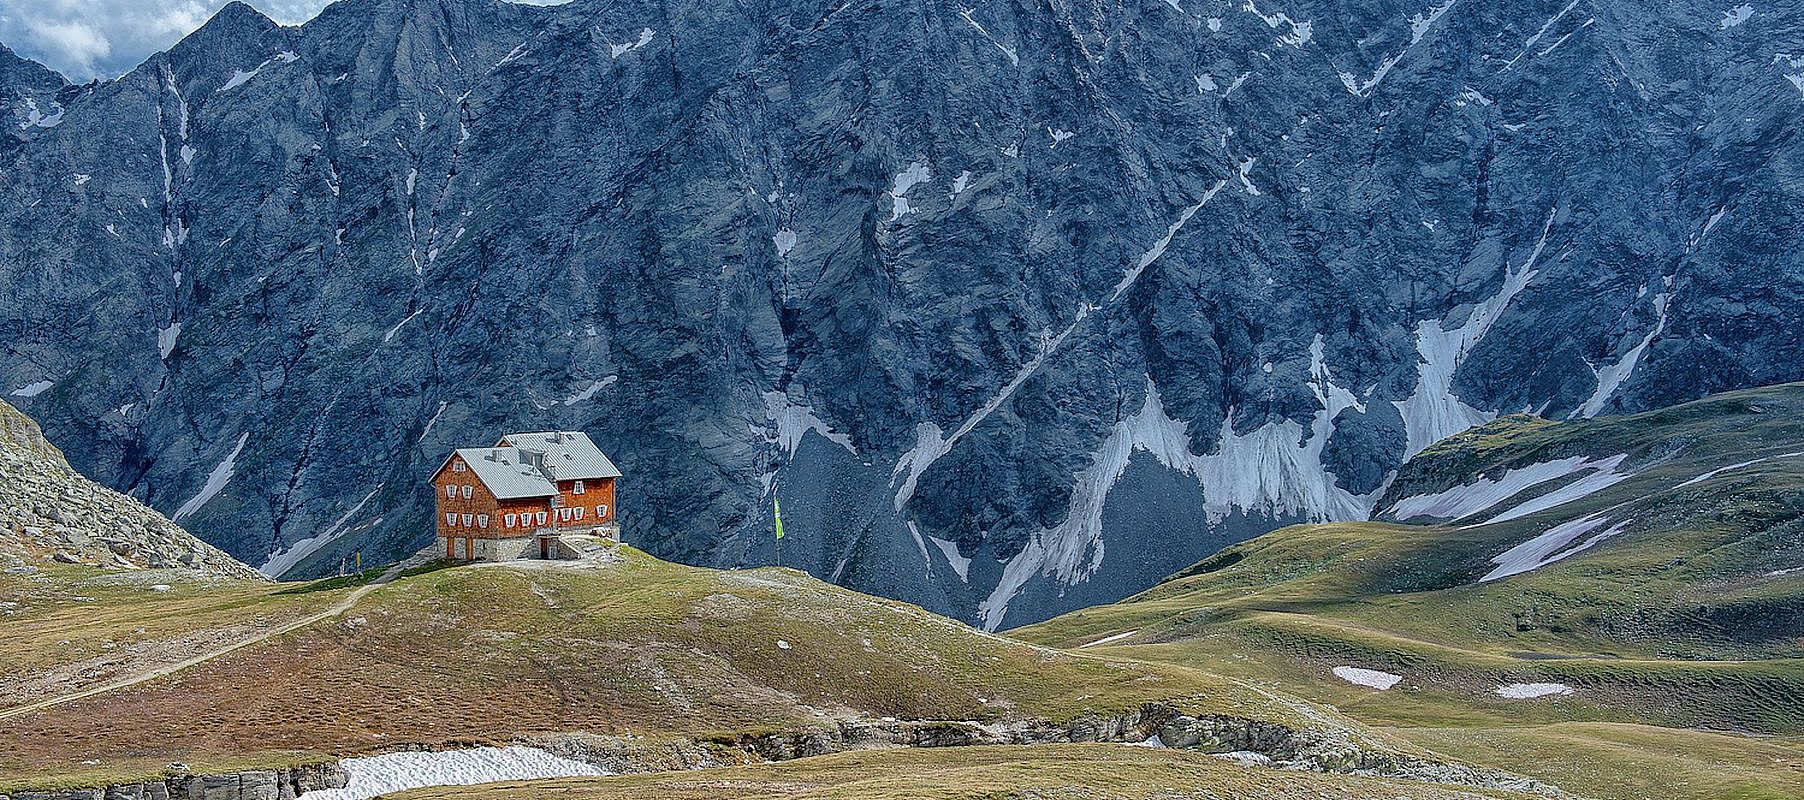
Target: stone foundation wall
<point x="283" y="784"/>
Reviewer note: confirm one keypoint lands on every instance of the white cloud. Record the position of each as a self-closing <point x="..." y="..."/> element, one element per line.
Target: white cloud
<point x="104" y="39"/>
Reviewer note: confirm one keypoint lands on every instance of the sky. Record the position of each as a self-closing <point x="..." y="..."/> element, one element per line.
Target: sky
<point x="104" y="39"/>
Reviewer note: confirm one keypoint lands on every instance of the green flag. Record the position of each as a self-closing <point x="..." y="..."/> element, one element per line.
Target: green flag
<point x="777" y="511"/>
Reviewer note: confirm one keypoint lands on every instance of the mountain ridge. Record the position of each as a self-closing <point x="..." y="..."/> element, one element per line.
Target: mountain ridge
<point x="1015" y="309"/>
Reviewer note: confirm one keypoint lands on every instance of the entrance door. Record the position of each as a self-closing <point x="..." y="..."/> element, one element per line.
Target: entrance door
<point x="544" y="548"/>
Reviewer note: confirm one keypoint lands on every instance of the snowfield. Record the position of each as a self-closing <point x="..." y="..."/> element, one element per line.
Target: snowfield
<point x="379" y="775"/>
<point x="1369" y="678"/>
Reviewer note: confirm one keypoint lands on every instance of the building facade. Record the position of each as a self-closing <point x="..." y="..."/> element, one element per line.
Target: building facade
<point x="517" y="498"/>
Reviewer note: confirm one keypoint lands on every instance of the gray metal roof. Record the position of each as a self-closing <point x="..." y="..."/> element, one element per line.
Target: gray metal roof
<point x="506" y="473"/>
<point x="569" y="455"/>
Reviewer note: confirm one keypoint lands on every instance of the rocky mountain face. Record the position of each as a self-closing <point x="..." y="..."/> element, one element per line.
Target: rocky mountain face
<point x="48" y="511"/>
<point x="1016" y="307"/>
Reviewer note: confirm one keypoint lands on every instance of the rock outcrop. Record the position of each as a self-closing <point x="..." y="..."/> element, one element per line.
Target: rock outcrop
<point x="48" y="511"/>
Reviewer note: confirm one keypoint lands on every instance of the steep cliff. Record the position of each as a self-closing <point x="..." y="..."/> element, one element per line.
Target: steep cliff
<point x="1017" y="307"/>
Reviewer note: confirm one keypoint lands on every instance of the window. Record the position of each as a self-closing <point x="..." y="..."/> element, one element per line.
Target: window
<point x="459" y="467"/>
<point x="510" y="519"/>
<point x="579" y="487"/>
<point x="482" y="520"/>
<point x="450" y="492"/>
<point x="467" y="520"/>
<point x="557" y="501"/>
<point x="450" y="519"/>
<point x="541" y="516"/>
<point x="601" y="511"/>
<point x="468" y="490"/>
<point x="578" y="512"/>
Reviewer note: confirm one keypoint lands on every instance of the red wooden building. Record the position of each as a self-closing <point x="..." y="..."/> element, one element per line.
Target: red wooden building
<point x="515" y="499"/>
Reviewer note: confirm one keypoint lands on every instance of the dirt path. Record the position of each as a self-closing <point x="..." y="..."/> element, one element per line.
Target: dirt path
<point x="336" y="609"/>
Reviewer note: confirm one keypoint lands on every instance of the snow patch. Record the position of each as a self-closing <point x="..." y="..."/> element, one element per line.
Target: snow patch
<point x="785" y="241"/>
<point x="1529" y="691"/>
<point x="1603" y="477"/>
<point x="588" y="392"/>
<point x="917" y="173"/>
<point x="1058" y="135"/>
<point x="1432" y="412"/>
<point x="1107" y="639"/>
<point x="618" y="50"/>
<point x="216" y="480"/>
<point x="1553" y="545"/>
<point x="375" y="776"/>
<point x="1785" y="61"/>
<point x="960" y="564"/>
<point x="38" y="119"/>
<point x="1735" y="16"/>
<point x="1610" y="378"/>
<point x="1370" y="678"/>
<point x="960" y="183"/>
<point x="1205" y="83"/>
<point x="1275" y="470"/>
<point x="1459" y="502"/>
<point x="791" y="421"/>
<point x="1720" y="470"/>
<point x="1300" y="32"/>
<point x="33" y="389"/>
<point x="166" y="337"/>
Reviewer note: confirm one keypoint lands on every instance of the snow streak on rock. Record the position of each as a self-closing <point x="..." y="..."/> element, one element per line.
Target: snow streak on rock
<point x="216" y="480"/>
<point x="1300" y="32"/>
<point x="33" y="389"/>
<point x="618" y="50"/>
<point x="790" y="422"/>
<point x="931" y="443"/>
<point x="1275" y="470"/>
<point x="1432" y="412"/>
<point x="1419" y="26"/>
<point x="1158" y="249"/>
<point x="1610" y="378"/>
<point x="1006" y="50"/>
<point x="284" y="560"/>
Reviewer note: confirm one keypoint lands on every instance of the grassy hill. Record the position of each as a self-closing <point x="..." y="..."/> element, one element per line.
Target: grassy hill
<point x="1686" y="611"/>
<point x="639" y="648"/>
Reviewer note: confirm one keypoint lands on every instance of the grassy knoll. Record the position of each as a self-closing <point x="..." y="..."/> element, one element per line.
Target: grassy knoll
<point x="1078" y="771"/>
<point x="639" y="647"/>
